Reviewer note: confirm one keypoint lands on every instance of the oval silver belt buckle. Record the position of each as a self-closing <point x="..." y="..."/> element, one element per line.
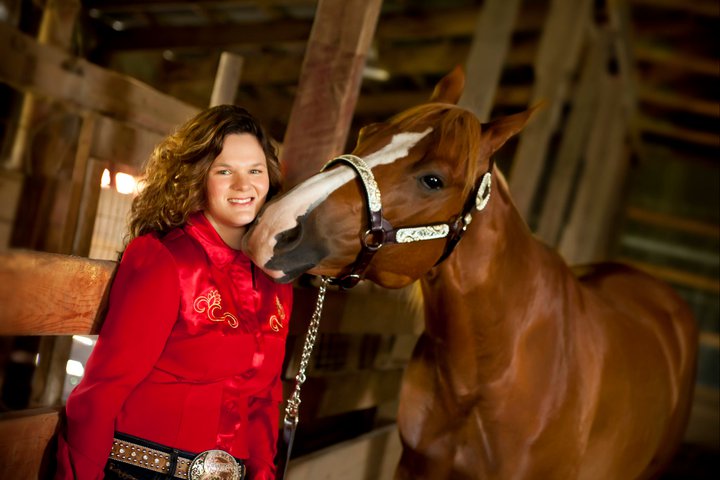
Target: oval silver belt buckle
<point x="215" y="465"/>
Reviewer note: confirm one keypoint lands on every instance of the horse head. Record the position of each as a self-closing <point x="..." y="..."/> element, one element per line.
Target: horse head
<point x="421" y="175"/>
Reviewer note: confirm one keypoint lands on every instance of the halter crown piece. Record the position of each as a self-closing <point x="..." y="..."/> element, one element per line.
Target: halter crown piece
<point x="381" y="232"/>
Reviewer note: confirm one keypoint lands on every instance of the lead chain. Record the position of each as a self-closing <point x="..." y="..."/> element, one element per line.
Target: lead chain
<point x="293" y="404"/>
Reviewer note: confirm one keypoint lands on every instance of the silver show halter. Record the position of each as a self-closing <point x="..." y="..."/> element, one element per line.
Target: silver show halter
<point x="381" y="232"/>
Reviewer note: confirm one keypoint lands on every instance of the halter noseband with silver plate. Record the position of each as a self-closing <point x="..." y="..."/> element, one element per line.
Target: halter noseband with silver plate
<point x="381" y="232"/>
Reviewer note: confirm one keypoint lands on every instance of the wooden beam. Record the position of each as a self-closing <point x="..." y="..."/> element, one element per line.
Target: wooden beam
<point x="10" y="189"/>
<point x="56" y="29"/>
<point x="678" y="277"/>
<point x="560" y="44"/>
<point x="621" y="24"/>
<point x="585" y="237"/>
<point x="24" y="439"/>
<point x="677" y="59"/>
<point x="48" y="71"/>
<point x="708" y="8"/>
<point x="672" y="222"/>
<point x="121" y="142"/>
<point x="227" y="79"/>
<point x="665" y="129"/>
<point x="283" y="68"/>
<point x="670" y="99"/>
<point x="429" y="23"/>
<point x="134" y="5"/>
<point x="329" y="86"/>
<point x="583" y="108"/>
<point x="64" y="218"/>
<point x="710" y="339"/>
<point x="486" y="59"/>
<point x="87" y="210"/>
<point x="34" y="293"/>
<point x="165" y="37"/>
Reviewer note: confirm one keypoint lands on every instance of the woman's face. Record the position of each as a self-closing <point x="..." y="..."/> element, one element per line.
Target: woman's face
<point x="237" y="186"/>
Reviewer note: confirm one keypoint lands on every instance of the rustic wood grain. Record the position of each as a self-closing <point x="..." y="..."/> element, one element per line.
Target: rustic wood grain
<point x="51" y="294"/>
<point x="25" y="442"/>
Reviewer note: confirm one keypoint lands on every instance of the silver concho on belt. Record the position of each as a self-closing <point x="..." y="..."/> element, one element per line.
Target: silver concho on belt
<point x="215" y="465"/>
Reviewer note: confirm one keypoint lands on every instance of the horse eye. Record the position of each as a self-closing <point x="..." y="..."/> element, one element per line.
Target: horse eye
<point x="432" y="182"/>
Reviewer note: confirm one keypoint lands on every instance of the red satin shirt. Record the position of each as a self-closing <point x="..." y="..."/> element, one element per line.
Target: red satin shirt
<point x="189" y="356"/>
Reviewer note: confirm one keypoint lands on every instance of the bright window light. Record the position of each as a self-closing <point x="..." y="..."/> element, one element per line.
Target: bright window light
<point x="125" y="183"/>
<point x="84" y="340"/>
<point x="74" y="368"/>
<point x="105" y="179"/>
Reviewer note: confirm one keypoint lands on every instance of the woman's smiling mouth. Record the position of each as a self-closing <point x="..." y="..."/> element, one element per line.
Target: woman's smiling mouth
<point x="241" y="201"/>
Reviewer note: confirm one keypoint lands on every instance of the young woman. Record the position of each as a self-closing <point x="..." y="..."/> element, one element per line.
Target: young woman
<point x="184" y="381"/>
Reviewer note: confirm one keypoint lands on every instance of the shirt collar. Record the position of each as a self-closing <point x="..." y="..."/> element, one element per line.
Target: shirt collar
<point x="220" y="254"/>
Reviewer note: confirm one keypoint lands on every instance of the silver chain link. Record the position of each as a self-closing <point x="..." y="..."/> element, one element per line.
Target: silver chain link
<point x="293" y="403"/>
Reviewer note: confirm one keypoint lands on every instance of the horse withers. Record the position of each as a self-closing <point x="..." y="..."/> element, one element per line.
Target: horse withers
<point x="526" y="368"/>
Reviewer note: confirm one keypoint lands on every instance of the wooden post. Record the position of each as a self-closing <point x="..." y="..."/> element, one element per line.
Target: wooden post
<point x="619" y="13"/>
<point x="227" y="79"/>
<point x="64" y="215"/>
<point x="487" y="55"/>
<point x="87" y="209"/>
<point x="10" y="188"/>
<point x="56" y="28"/>
<point x="557" y="57"/>
<point x="584" y="107"/>
<point x="329" y="85"/>
<point x="586" y="236"/>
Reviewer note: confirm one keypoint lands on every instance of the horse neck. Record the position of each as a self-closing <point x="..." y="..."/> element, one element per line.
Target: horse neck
<point x="478" y="301"/>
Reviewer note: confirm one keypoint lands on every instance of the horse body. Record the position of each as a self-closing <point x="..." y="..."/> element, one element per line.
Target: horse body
<point x="524" y="371"/>
<point x="525" y="368"/>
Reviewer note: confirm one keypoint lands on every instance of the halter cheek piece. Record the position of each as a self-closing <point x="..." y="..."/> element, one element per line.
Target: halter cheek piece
<point x="381" y="231"/>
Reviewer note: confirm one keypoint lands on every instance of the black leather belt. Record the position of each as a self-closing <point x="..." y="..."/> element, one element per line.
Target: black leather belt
<point x="184" y="465"/>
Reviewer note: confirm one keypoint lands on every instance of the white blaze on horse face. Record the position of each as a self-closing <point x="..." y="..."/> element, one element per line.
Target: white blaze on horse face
<point x="282" y="215"/>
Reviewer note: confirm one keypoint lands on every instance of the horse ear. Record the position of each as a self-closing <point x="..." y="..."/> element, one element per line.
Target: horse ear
<point x="497" y="132"/>
<point x="450" y="87"/>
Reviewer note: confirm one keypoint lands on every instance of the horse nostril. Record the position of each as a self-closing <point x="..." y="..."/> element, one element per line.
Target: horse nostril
<point x="288" y="239"/>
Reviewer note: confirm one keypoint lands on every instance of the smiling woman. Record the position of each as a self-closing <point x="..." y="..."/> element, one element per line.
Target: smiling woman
<point x="237" y="185"/>
<point x="197" y="322"/>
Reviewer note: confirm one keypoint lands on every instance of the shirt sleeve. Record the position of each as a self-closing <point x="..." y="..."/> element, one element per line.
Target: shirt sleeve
<point x="142" y="309"/>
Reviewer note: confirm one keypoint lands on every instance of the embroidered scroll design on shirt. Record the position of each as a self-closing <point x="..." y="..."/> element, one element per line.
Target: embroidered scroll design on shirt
<point x="276" y="321"/>
<point x="211" y="303"/>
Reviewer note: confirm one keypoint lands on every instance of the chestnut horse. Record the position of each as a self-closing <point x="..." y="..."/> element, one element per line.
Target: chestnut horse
<point x="526" y="369"/>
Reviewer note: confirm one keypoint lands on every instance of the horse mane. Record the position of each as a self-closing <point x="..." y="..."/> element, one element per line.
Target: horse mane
<point x="456" y="133"/>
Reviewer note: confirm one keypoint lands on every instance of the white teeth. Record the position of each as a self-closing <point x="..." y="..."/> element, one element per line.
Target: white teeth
<point x="240" y="201"/>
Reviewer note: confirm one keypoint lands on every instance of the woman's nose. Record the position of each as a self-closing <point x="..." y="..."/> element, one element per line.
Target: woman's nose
<point x="241" y="182"/>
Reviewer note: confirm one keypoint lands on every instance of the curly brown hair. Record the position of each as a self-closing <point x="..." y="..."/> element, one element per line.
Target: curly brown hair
<point x="174" y="183"/>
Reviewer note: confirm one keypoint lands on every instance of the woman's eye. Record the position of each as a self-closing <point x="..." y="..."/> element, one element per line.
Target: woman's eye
<point x="432" y="182"/>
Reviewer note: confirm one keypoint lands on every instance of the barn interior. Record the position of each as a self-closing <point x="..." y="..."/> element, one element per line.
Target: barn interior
<point x="620" y="163"/>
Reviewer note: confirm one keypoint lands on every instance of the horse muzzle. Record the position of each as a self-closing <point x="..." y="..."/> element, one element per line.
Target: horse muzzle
<point x="286" y="255"/>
